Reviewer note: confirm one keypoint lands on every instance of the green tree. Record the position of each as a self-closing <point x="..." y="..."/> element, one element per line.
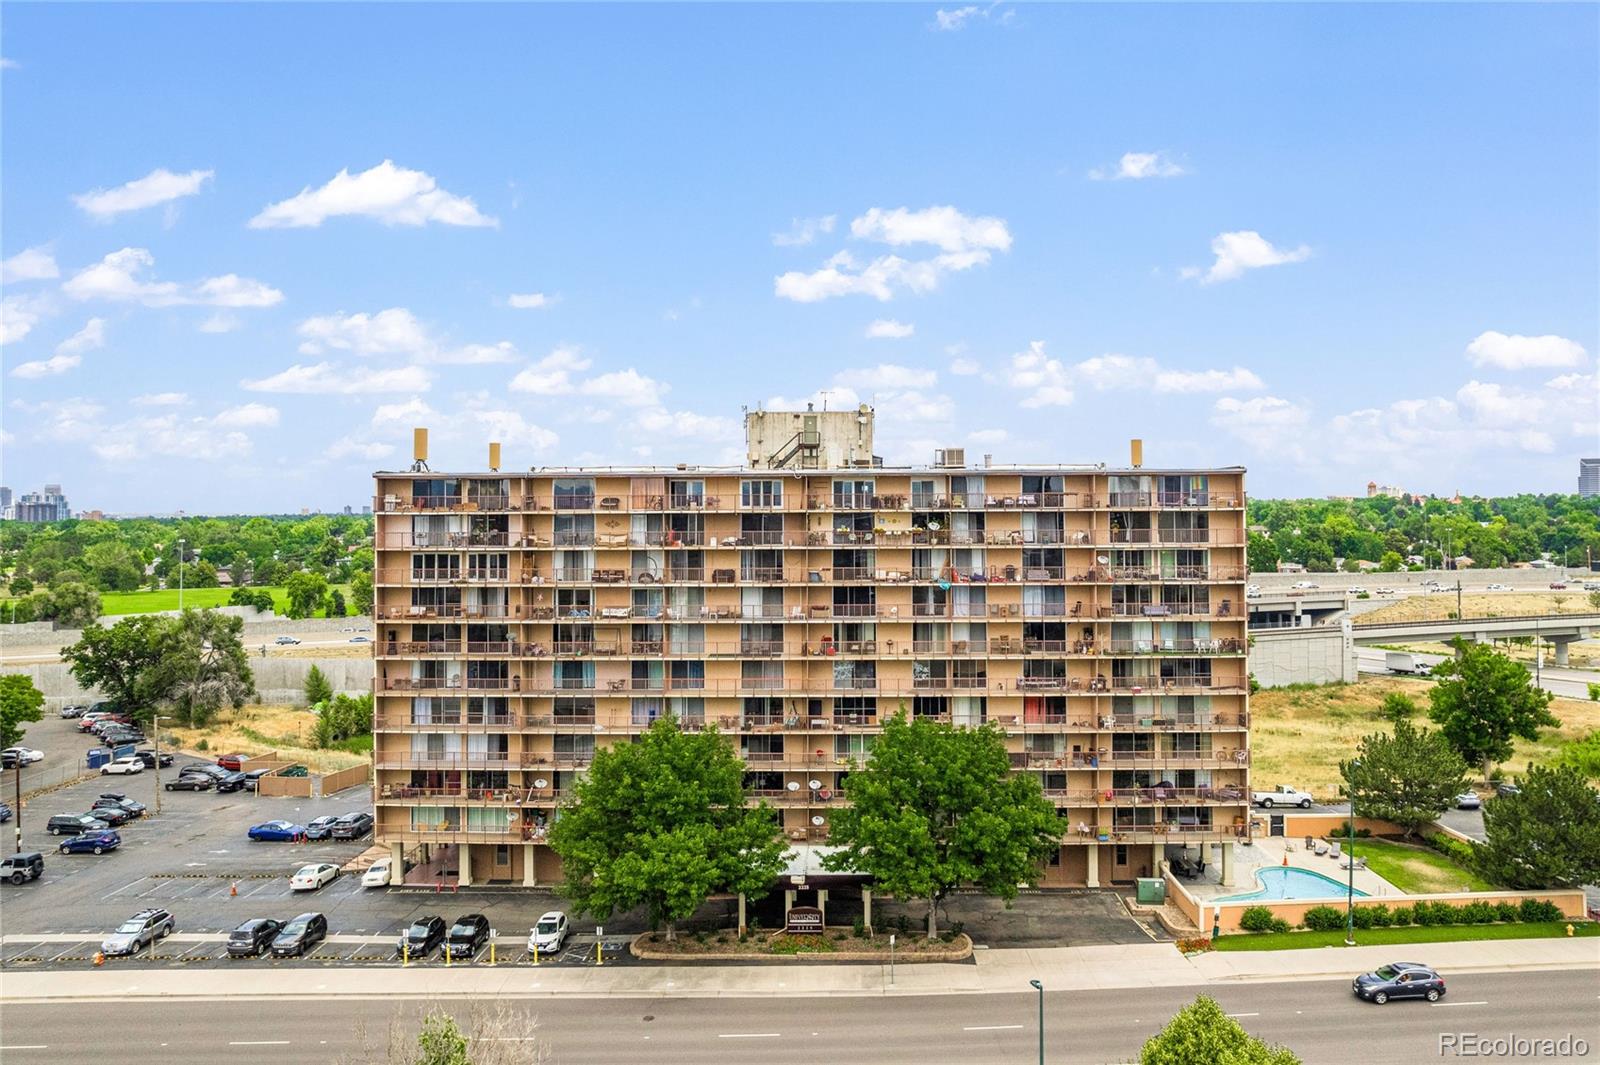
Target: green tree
<point x="936" y="807"/>
<point x="1261" y="554"/>
<point x="114" y="566"/>
<point x="306" y="591"/>
<point x="1390" y="562"/>
<point x="440" y="1041"/>
<point x="1545" y="836"/>
<point x="1201" y="1034"/>
<point x="318" y="690"/>
<point x="201" y="574"/>
<point x="1484" y="700"/>
<point x="72" y="605"/>
<point x="256" y="597"/>
<point x="1409" y="776"/>
<point x="361" y="592"/>
<point x="205" y="666"/>
<point x="21" y="586"/>
<point x="336" y="606"/>
<point x="662" y="823"/>
<point x="20" y="703"/>
<point x="1594" y="599"/>
<point x="1398" y="707"/>
<point x="125" y="661"/>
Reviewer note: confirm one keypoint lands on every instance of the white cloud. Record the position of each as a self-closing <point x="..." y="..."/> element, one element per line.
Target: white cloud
<point x="326" y="379"/>
<point x="918" y="408"/>
<point x="162" y="399"/>
<point x="628" y="387"/>
<point x="889" y="329"/>
<point x="964" y="242"/>
<point x="1240" y="251"/>
<point x="962" y="366"/>
<point x="9" y="64"/>
<point x="221" y="322"/>
<point x="247" y="416"/>
<point x="1045" y="380"/>
<point x="803" y="231"/>
<point x="886" y="377"/>
<point x="395" y="331"/>
<point x="90" y="337"/>
<point x="391" y="194"/>
<point x="347" y="447"/>
<point x="56" y="364"/>
<point x="989" y="436"/>
<point x="193" y="438"/>
<point x="477" y="354"/>
<point x="822" y="399"/>
<point x="31" y="264"/>
<point x="957" y="18"/>
<point x="18" y="316"/>
<point x="510" y="428"/>
<point x="407" y="413"/>
<point x="1106" y="372"/>
<point x="530" y="301"/>
<point x="117" y="277"/>
<point x="551" y="375"/>
<point x="1522" y="352"/>
<point x="1135" y="166"/>
<point x="1265" y="422"/>
<point x="660" y="423"/>
<point x="157" y="187"/>
<point x="1237" y="379"/>
<point x="944" y="227"/>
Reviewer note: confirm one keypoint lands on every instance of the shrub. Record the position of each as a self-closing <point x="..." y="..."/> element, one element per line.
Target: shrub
<point x="702" y="937"/>
<point x="1401" y="915"/>
<point x="1323" y="919"/>
<point x="1194" y="945"/>
<point x="1476" y="913"/>
<point x="1381" y="917"/>
<point x="859" y="928"/>
<point x="957" y="927"/>
<point x="902" y="924"/>
<point x="1423" y="913"/>
<point x="787" y="944"/>
<point x="201" y="745"/>
<point x="1594" y="692"/>
<point x="1344" y="832"/>
<point x="1464" y="854"/>
<point x="1363" y="917"/>
<point x="1539" y="910"/>
<point x="1256" y="919"/>
<point x="1507" y="912"/>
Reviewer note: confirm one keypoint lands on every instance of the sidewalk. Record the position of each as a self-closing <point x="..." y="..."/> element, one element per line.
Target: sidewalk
<point x="992" y="972"/>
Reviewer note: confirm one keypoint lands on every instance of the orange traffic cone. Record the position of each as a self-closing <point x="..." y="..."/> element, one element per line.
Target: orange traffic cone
<point x="233" y="890"/>
<point x="1285" y="857"/>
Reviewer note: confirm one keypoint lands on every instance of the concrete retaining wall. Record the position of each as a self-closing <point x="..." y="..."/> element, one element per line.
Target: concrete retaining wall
<point x="278" y="680"/>
<point x="1323" y="654"/>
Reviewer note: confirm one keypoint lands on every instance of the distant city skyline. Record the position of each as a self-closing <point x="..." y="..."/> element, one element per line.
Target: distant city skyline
<point x="595" y="232"/>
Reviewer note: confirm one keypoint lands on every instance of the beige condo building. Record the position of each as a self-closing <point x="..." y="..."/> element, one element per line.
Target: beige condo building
<point x="1096" y="615"/>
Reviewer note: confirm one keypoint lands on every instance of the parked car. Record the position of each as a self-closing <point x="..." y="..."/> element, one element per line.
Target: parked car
<point x="230" y="782"/>
<point x="74" y="824"/>
<point x="20" y="868"/>
<point x="8" y="760"/>
<point x="1468" y="800"/>
<point x="1507" y="788"/>
<point x="25" y="755"/>
<point x="424" y="934"/>
<point x="5" y="813"/>
<point x="138" y="931"/>
<point x="91" y="843"/>
<point x="130" y="764"/>
<point x="233" y="762"/>
<point x="1400" y="979"/>
<point x="89" y="717"/>
<point x="147" y="755"/>
<point x="312" y="877"/>
<point x="253" y="938"/>
<point x="276" y="832"/>
<point x="549" y="933"/>
<point x="115" y="816"/>
<point x="190" y="782"/>
<point x="320" y="827"/>
<point x="352" y="826"/>
<point x="252" y="777"/>
<point x="122" y="738"/>
<point x="203" y="769"/>
<point x="286" y="641"/>
<point x="133" y="806"/>
<point x="377" y="874"/>
<point x="300" y="935"/>
<point x="1282" y="795"/>
<point x="73" y="710"/>
<point x="467" y="936"/>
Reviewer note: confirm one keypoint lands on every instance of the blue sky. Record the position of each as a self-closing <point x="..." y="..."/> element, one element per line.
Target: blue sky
<point x="1332" y="244"/>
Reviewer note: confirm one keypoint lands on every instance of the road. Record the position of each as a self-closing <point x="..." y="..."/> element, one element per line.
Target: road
<point x="1319" y="1020"/>
<point x="48" y="654"/>
<point x="1571" y="683"/>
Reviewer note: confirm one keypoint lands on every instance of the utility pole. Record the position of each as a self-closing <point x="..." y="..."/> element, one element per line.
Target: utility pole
<point x="18" y="807"/>
<point x="181" y="543"/>
<point x="155" y="726"/>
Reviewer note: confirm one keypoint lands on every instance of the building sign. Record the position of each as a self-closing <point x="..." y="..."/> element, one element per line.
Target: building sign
<point x="804" y="921"/>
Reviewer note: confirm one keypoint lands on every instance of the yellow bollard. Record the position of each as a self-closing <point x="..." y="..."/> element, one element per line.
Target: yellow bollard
<point x="536" y="952"/>
<point x="600" y="952"/>
<point x="447" y="954"/>
<point x="491" y="952"/>
<point x="405" y="952"/>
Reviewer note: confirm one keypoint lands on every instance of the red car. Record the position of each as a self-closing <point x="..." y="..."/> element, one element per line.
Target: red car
<point x="233" y="762"/>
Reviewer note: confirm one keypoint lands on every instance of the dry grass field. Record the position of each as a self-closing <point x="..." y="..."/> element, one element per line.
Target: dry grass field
<point x="1483" y="605"/>
<point x="1299" y="735"/>
<point x="259" y="730"/>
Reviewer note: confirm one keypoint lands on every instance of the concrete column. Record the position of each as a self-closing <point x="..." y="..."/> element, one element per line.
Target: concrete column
<point x="788" y="903"/>
<point x="1561" y="643"/>
<point x="530" y="867"/>
<point x="1092" y="878"/>
<point x="866" y="908"/>
<point x="742" y="926"/>
<point x="1155" y="859"/>
<point x="1227" y="865"/>
<point x="464" y="863"/>
<point x="397" y="863"/>
<point x="822" y="904"/>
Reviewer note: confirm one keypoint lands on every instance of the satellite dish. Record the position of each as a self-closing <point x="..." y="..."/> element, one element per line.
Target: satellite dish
<point x="541" y="783"/>
<point x="815" y="784"/>
<point x="511" y="815"/>
<point x="818" y="819"/>
<point x="793" y="785"/>
<point x="933" y="525"/>
<point x="1103" y="560"/>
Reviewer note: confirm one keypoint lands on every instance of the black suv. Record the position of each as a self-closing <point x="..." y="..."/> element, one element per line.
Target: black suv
<point x="352" y="826"/>
<point x="74" y="824"/>
<point x="18" y="868"/>
<point x="1399" y="979"/>
<point x="300" y="935"/>
<point x="148" y="757"/>
<point x="253" y="938"/>
<point x="112" y="814"/>
<point x="424" y="934"/>
<point x="133" y="806"/>
<point x="467" y="935"/>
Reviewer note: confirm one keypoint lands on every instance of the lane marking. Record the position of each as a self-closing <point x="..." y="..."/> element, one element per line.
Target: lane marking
<point x="1460" y="1003"/>
<point x="37" y="1046"/>
<point x="1244" y="1015"/>
<point x="984" y="1028"/>
<point x="750" y="1035"/>
<point x="258" y="1042"/>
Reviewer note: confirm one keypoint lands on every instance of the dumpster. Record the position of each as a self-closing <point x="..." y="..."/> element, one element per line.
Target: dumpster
<point x="98" y="756"/>
<point x="125" y="751"/>
<point x="1152" y="891"/>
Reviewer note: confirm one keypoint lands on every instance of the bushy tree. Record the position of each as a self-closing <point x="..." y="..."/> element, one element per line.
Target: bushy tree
<point x="205" y="665"/>
<point x="1391" y="562"/>
<point x="318" y="690"/>
<point x="361" y="592"/>
<point x="937" y="807"/>
<point x="662" y="823"/>
<point x="1397" y="706"/>
<point x="201" y="574"/>
<point x="124" y="661"/>
<point x="1261" y="554"/>
<point x="1484" y="700"/>
<point x="343" y="717"/>
<point x="1202" y="1034"/>
<point x="306" y="592"/>
<point x="1408" y="776"/>
<point x="71" y="605"/>
<point x="254" y="597"/>
<point x="440" y="1041"/>
<point x="20" y="703"/>
<point x="336" y="606"/>
<point x="1545" y="836"/>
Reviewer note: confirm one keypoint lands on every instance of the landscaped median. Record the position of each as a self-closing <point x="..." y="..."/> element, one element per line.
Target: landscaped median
<point x="837" y="944"/>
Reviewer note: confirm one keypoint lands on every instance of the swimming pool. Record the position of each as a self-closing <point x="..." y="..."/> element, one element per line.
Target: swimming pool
<point x="1290" y="882"/>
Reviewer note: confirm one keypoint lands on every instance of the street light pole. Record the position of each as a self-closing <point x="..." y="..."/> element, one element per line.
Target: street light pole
<point x="1350" y="859"/>
<point x="1039" y="987"/>
<point x="155" y="725"/>
<point x="181" y="542"/>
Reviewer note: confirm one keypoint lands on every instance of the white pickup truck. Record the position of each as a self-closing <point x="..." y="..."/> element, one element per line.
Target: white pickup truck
<point x="1282" y="795"/>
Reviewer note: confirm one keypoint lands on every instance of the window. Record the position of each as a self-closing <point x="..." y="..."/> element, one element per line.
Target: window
<point x="682" y="494"/>
<point x="922" y="495"/>
<point x="573" y="493"/>
<point x="761" y="493"/>
<point x="852" y="495"/>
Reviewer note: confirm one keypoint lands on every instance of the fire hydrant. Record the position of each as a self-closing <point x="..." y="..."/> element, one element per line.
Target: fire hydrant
<point x="1570" y="930"/>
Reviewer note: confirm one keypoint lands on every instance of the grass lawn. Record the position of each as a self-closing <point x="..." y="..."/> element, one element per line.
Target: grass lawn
<point x="1376" y="937"/>
<point x="1417" y="870"/>
<point x="1298" y="735"/>
<point x="167" y="599"/>
<point x="1441" y="605"/>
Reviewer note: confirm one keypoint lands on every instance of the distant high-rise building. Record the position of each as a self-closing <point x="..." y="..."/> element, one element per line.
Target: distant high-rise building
<point x="5" y="502"/>
<point x="1392" y="491"/>
<point x="35" y="507"/>
<point x="1589" y="478"/>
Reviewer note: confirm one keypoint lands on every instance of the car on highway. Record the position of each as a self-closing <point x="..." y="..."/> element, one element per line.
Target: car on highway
<point x="377" y="874"/>
<point x="467" y="936"/>
<point x="360" y="639"/>
<point x="1497" y="588"/>
<point x="74" y="824"/>
<point x="25" y="755"/>
<point x="253" y="938"/>
<point x="320" y="827"/>
<point x="20" y="868"/>
<point x="117" y="798"/>
<point x="286" y="641"/>
<point x="1591" y="586"/>
<point x="276" y="832"/>
<point x="1468" y="800"/>
<point x="147" y="755"/>
<point x="549" y="933"/>
<point x="1558" y="586"/>
<point x="140" y="930"/>
<point x="91" y="843"/>
<point x="1356" y="589"/>
<point x="1305" y="585"/>
<point x="1399" y="979"/>
<point x="300" y="935"/>
<point x="352" y="826"/>
<point x="311" y="877"/>
<point x="424" y="934"/>
<point x="190" y="782"/>
<point x="122" y="766"/>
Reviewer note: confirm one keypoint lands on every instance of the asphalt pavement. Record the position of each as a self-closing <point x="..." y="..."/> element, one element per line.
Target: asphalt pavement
<point x="1571" y="683"/>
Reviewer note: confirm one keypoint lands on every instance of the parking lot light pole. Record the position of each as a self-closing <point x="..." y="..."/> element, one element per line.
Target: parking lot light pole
<point x="181" y="542"/>
<point x="17" y="811"/>
<point x="1039" y="987"/>
<point x="1350" y="860"/>
<point x="155" y="727"/>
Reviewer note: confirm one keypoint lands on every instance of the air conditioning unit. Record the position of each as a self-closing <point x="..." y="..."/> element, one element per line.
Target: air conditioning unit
<point x="951" y="457"/>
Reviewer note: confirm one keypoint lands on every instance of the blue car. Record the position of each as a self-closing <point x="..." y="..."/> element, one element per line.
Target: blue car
<point x="5" y="813"/>
<point x="91" y="843"/>
<point x="277" y="831"/>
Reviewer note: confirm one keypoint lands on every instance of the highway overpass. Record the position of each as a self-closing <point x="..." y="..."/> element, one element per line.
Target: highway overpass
<point x="1559" y="629"/>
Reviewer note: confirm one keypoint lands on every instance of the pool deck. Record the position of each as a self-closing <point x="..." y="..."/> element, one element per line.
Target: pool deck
<point x="1269" y="853"/>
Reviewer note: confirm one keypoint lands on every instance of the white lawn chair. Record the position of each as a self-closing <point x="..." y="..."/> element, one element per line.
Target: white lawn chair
<point x="1334" y="852"/>
<point x="1320" y="847"/>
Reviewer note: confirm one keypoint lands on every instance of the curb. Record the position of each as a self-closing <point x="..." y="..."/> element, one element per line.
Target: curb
<point x="639" y="949"/>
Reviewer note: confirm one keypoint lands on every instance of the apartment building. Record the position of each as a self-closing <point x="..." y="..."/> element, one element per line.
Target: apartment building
<point x="525" y="619"/>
